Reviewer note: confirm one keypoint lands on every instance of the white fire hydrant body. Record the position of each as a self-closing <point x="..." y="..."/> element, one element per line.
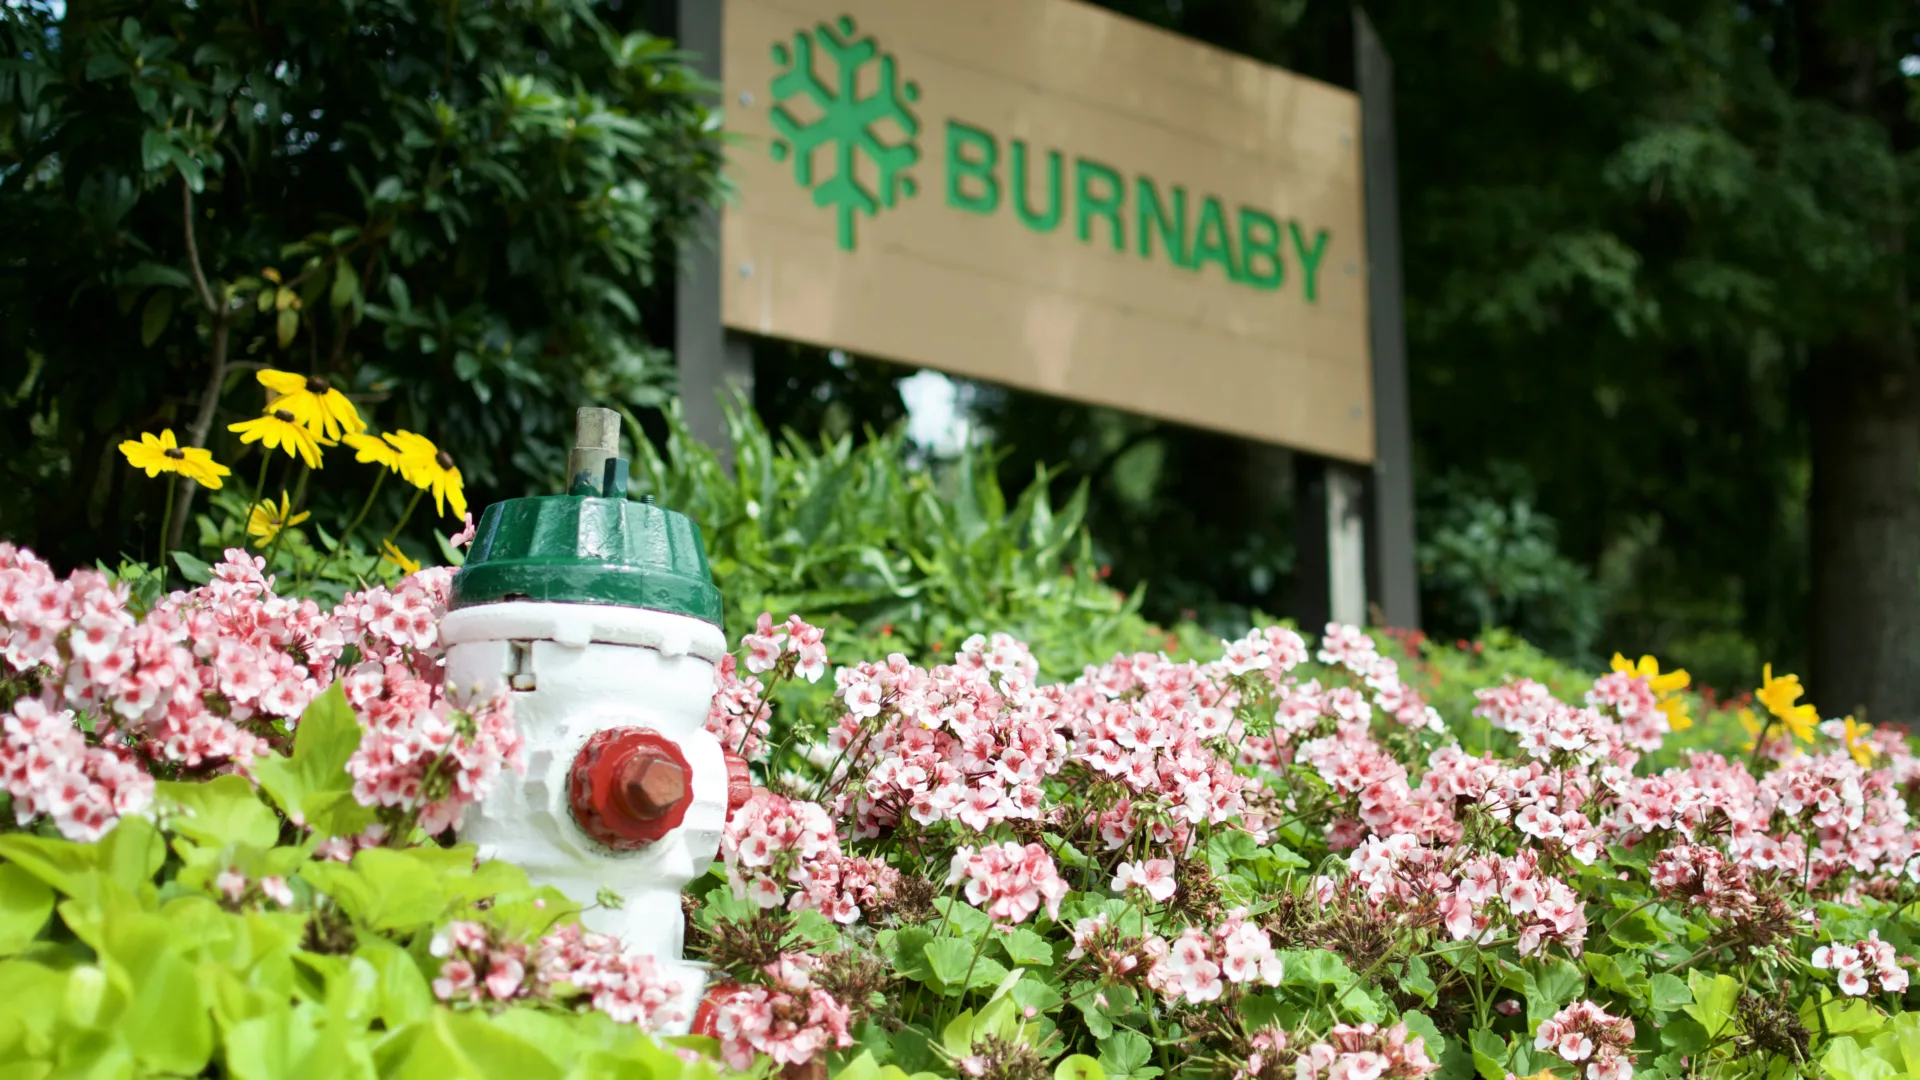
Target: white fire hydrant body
<point x="577" y="670"/>
<point x="600" y="616"/>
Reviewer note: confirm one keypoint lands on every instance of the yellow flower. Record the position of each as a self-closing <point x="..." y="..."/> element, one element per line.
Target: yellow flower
<point x="1779" y="695"/>
<point x="266" y="520"/>
<point x="398" y="558"/>
<point x="430" y="468"/>
<point x="1854" y="735"/>
<point x="158" y="454"/>
<point x="1666" y="688"/>
<point x="276" y="429"/>
<point x="372" y="450"/>
<point x="322" y="410"/>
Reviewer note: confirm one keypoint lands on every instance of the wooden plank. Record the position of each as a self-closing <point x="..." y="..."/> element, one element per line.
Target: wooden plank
<point x="1081" y="298"/>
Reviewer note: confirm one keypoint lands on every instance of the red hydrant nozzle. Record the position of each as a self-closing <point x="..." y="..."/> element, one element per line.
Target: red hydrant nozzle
<point x="629" y="787"/>
<point x="739" y="781"/>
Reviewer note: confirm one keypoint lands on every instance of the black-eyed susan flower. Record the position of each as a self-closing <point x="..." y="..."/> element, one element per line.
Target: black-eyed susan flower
<point x="160" y="453"/>
<point x="394" y="555"/>
<point x="278" y="428"/>
<point x="266" y="520"/>
<point x="1779" y="695"/>
<point x="373" y="450"/>
<point x="430" y="468"/>
<point x="323" y="411"/>
<point x="1666" y="688"/>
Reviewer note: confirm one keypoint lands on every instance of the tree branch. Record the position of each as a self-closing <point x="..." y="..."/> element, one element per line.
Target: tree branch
<point x="217" y="353"/>
<point x="193" y="253"/>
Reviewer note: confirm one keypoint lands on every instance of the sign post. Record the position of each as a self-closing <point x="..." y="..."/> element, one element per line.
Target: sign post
<point x="1045" y="195"/>
<point x="713" y="362"/>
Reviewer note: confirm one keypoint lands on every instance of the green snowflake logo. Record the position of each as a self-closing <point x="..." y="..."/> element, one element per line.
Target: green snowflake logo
<point x="847" y="122"/>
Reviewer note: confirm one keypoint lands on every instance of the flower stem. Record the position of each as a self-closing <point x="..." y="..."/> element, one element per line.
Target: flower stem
<point x="260" y="481"/>
<point x="404" y="515"/>
<point x="166" y="525"/>
<point x="280" y="533"/>
<point x="340" y="544"/>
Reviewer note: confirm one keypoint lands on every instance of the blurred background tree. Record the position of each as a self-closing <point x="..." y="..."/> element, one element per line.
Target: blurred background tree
<point x="1661" y="350"/>
<point x="454" y="212"/>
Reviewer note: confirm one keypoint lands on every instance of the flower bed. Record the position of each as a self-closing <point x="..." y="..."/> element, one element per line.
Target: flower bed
<point x="1279" y="861"/>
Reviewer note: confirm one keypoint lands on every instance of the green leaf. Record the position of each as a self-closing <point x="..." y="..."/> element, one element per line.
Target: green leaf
<point x="1489" y="1054"/>
<point x="224" y="810"/>
<point x="1551" y="984"/>
<point x="1418" y="1023"/>
<point x="193" y="568"/>
<point x="1315" y="967"/>
<point x="1098" y="1021"/>
<point x="968" y="921"/>
<point x="346" y="285"/>
<point x="155" y="316"/>
<point x="949" y="959"/>
<point x="1622" y="973"/>
<point x="286" y="325"/>
<point x="1078" y="1067"/>
<point x="1667" y="992"/>
<point x="25" y="904"/>
<point x="1125" y="1053"/>
<point x="907" y="948"/>
<point x="1026" y="947"/>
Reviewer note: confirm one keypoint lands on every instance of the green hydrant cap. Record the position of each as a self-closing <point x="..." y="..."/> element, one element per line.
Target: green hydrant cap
<point x="589" y="549"/>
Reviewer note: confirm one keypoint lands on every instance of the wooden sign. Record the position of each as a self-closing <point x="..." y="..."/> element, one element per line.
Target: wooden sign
<point x="1046" y="195"/>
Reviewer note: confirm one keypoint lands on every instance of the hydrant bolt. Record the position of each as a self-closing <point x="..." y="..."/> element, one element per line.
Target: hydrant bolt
<point x="629" y="787"/>
<point x="652" y="787"/>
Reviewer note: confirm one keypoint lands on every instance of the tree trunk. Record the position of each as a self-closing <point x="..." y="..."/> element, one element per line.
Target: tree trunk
<point x="1864" y="519"/>
<point x="1864" y="510"/>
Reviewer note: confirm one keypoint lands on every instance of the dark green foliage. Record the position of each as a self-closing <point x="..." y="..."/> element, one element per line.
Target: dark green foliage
<point x="464" y="203"/>
<point x="904" y="560"/>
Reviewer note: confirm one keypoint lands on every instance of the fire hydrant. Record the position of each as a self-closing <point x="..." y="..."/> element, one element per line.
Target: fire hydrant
<point x="600" y="616"/>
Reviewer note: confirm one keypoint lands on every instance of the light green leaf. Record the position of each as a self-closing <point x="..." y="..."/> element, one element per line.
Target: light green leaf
<point x="224" y="810"/>
<point x="404" y="993"/>
<point x="1851" y="1017"/>
<point x="1713" y="1000"/>
<point x="1846" y="1059"/>
<point x="312" y="786"/>
<point x="25" y="904"/>
<point x="1078" y="1067"/>
<point x="448" y="1045"/>
<point x="165" y="1021"/>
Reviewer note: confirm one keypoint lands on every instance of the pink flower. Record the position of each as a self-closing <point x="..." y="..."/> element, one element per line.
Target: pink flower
<point x="232" y="884"/>
<point x="274" y="887"/>
<point x="465" y="535"/>
<point x="1153" y="875"/>
<point x="1009" y="882"/>
<point x="1585" y="1032"/>
<point x="763" y="645"/>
